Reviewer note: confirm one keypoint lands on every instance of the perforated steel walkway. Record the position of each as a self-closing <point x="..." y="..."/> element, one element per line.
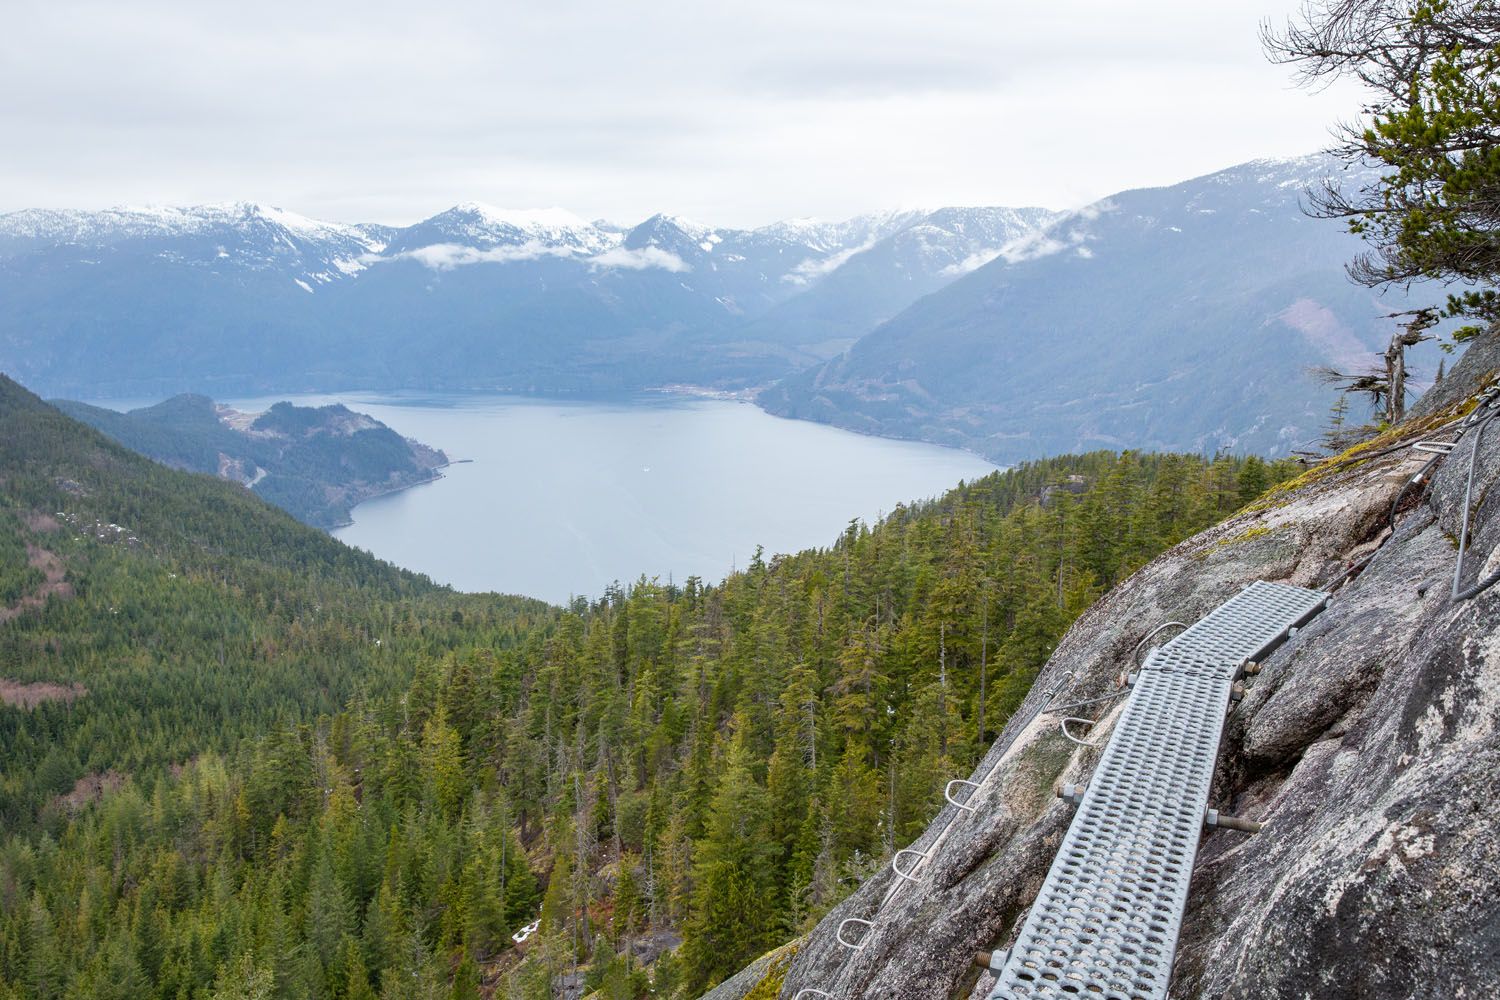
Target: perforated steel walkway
<point x="1106" y="921"/>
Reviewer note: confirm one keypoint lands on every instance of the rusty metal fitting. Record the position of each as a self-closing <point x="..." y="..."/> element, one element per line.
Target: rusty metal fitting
<point x="1214" y="819"/>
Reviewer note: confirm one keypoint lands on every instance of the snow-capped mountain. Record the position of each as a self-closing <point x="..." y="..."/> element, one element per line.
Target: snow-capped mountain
<point x="238" y="234"/>
<point x="255" y="296"/>
<point x="483" y="227"/>
<point x="1182" y="317"/>
<point x="885" y="266"/>
<point x="967" y="324"/>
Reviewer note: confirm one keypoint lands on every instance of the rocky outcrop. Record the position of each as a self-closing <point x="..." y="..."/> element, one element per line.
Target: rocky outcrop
<point x="1480" y="363"/>
<point x="1369" y="745"/>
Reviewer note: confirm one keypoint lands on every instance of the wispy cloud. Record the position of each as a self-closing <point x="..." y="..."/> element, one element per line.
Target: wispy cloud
<point x="809" y="271"/>
<point x="1069" y="231"/>
<point x="447" y="256"/>
<point x="640" y="259"/>
<point x="973" y="262"/>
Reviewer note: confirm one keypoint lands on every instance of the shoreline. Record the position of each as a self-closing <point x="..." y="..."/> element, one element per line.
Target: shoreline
<point x="437" y="474"/>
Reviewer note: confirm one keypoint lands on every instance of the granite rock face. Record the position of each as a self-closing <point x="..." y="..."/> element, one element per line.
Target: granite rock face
<point x="1369" y="745"/>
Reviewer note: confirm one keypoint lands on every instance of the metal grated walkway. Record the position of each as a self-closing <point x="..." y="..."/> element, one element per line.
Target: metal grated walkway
<point x="1106" y="921"/>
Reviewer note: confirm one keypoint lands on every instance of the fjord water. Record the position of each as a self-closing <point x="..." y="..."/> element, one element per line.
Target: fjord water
<point x="559" y="498"/>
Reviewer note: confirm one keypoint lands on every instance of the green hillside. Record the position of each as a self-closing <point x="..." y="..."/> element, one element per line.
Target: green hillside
<point x="317" y="463"/>
<point x="198" y="613"/>
<point x="323" y="777"/>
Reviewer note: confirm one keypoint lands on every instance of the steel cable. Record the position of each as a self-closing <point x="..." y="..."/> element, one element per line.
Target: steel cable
<point x="1459" y="593"/>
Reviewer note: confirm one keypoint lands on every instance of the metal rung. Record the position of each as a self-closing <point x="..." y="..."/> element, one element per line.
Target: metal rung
<point x="948" y="794"/>
<point x="840" y="932"/>
<point x="1063" y="725"/>
<point x="896" y="863"/>
<point x="810" y="992"/>
<point x="1152" y="635"/>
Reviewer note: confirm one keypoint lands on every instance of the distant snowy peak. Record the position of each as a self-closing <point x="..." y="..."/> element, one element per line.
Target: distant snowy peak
<point x="545" y="219"/>
<point x="676" y="234"/>
<point x="836" y="237"/>
<point x="483" y="227"/>
<point x="214" y="237"/>
<point x="1239" y="200"/>
<point x="163" y="222"/>
<point x="771" y="261"/>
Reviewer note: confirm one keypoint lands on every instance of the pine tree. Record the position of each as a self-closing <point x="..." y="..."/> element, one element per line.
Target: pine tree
<point x="244" y="979"/>
<point x="465" y="979"/>
<point x="443" y="764"/>
<point x="733" y="918"/>
<point x="329" y="919"/>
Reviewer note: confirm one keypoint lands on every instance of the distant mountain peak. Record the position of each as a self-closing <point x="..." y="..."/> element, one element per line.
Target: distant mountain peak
<point x="127" y="222"/>
<point x="522" y="218"/>
<point x="672" y="232"/>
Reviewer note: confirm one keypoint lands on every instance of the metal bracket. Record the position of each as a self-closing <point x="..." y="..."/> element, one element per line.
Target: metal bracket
<point x="840" y="932"/>
<point x="896" y="863"/>
<point x="964" y="805"/>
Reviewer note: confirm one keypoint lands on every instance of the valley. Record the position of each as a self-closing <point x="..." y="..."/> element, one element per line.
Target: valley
<point x="369" y="783"/>
<point x="1011" y="332"/>
<point x="767" y="501"/>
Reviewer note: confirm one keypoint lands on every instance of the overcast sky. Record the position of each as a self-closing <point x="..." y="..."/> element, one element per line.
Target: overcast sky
<point x="734" y="113"/>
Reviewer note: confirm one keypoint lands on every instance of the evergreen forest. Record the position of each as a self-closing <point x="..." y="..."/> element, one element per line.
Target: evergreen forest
<point x="241" y="760"/>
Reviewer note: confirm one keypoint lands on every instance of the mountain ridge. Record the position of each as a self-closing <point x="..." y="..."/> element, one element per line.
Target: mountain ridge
<point x="247" y="298"/>
<point x="316" y="463"/>
<point x="1179" y="317"/>
<point x="971" y="327"/>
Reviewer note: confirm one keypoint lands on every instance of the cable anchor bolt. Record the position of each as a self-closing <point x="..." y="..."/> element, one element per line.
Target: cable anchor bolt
<point x="1213" y="819"/>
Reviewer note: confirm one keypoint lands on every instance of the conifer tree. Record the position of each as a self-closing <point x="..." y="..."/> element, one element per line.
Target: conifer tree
<point x="732" y="918"/>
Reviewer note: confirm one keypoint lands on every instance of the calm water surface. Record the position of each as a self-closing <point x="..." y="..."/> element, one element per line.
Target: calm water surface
<point x="561" y="498"/>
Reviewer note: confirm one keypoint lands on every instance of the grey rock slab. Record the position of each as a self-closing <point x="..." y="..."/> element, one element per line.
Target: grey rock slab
<point x="1369" y="745"/>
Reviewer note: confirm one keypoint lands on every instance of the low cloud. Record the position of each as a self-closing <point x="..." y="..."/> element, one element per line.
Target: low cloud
<point x="1062" y="234"/>
<point x="640" y="259"/>
<point x="810" y="270"/>
<point x="1031" y="247"/>
<point x="447" y="256"/>
<point x="971" y="263"/>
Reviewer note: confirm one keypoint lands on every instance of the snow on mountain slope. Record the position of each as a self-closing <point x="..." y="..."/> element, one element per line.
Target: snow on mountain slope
<point x="541" y="299"/>
<point x="483" y="227"/>
<point x="241" y="234"/>
<point x="898" y="259"/>
<point x="1174" y="318"/>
